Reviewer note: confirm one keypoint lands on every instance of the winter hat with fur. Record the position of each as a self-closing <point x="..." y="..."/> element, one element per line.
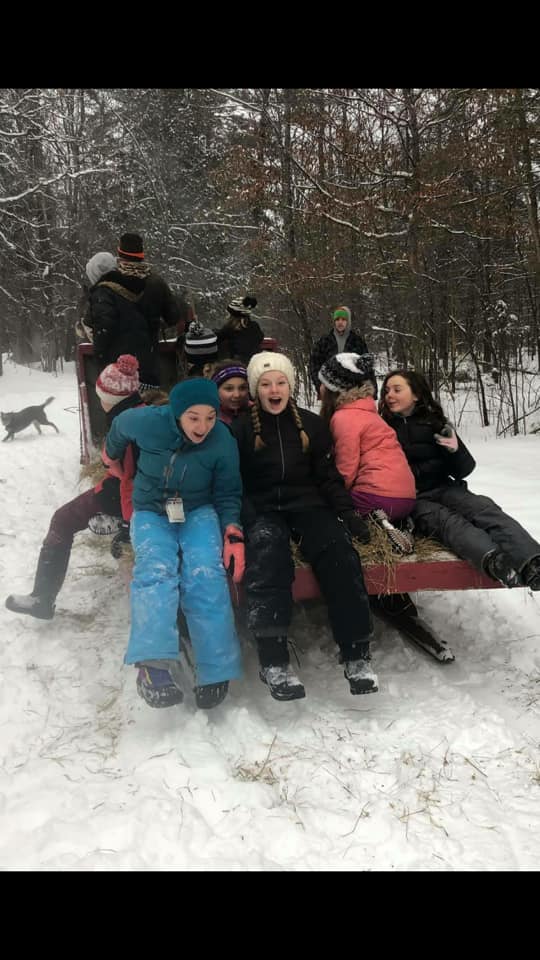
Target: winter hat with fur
<point x="242" y="307"/>
<point x="200" y="342"/>
<point x="265" y="362"/>
<point x="119" y="380"/>
<point x="342" y="312"/>
<point x="99" y="265"/>
<point x="346" y="370"/>
<point x="189" y="393"/>
<point x="131" y="248"/>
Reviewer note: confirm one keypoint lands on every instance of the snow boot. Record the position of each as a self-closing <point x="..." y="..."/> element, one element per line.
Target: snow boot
<point x="358" y="671"/>
<point x="530" y="574"/>
<point x="401" y="541"/>
<point x="50" y="575"/>
<point x="499" y="567"/>
<point x="208" y="695"/>
<point x="155" y="684"/>
<point x="282" y="682"/>
<point x="103" y="524"/>
<point x="40" y="607"/>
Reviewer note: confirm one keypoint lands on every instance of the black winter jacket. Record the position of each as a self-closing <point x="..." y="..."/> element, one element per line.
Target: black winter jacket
<point x="327" y="347"/>
<point x="118" y="324"/>
<point x="432" y="465"/>
<point x="240" y="344"/>
<point x="280" y="476"/>
<point x="161" y="308"/>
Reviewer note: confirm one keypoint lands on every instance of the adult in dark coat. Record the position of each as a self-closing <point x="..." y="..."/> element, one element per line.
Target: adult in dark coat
<point x="473" y="526"/>
<point x="292" y="488"/>
<point x="240" y="336"/>
<point x="341" y="339"/>
<point x="118" y="326"/>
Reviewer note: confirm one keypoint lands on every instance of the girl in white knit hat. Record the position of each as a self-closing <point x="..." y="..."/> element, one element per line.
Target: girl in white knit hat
<point x="292" y="489"/>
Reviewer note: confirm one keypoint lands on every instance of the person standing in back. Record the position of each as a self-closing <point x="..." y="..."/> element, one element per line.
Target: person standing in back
<point x="341" y="339"/>
<point x="240" y="336"/>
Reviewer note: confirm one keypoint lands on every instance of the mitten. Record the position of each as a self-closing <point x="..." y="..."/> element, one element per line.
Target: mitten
<point x="234" y="559"/>
<point x="356" y="525"/>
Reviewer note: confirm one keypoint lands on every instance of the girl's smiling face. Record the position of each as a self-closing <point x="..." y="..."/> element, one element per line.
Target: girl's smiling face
<point x="233" y="394"/>
<point x="398" y="396"/>
<point x="197" y="422"/>
<point x="273" y="391"/>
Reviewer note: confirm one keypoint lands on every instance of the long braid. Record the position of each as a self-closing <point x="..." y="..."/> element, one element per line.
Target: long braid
<point x="298" y="421"/>
<point x="257" y="427"/>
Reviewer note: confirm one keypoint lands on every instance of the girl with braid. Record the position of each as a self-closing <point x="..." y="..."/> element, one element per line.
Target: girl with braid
<point x="292" y="489"/>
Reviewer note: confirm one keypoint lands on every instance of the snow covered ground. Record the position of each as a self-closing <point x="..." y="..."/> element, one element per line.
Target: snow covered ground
<point x="439" y="771"/>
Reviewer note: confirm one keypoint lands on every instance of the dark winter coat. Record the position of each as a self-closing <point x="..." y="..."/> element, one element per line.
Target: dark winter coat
<point x="161" y="308"/>
<point x="327" y="347"/>
<point x="280" y="477"/>
<point x="240" y="344"/>
<point x="118" y="324"/>
<point x="432" y="465"/>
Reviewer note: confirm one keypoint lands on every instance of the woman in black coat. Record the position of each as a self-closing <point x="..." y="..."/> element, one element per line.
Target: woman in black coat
<point x="473" y="526"/>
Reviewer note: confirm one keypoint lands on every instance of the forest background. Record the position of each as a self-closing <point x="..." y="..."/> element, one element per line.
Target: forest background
<point x="416" y="207"/>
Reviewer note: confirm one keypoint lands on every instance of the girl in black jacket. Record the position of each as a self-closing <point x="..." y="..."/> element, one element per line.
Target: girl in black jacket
<point x="292" y="488"/>
<point x="473" y="526"/>
<point x="240" y="336"/>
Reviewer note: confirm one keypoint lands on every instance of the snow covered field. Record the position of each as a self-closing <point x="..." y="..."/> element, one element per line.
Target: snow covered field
<point x="439" y="771"/>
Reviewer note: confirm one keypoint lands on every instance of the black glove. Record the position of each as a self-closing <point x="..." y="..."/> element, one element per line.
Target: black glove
<point x="356" y="525"/>
<point x="119" y="541"/>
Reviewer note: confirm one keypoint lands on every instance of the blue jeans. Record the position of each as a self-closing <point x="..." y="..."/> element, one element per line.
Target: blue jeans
<point x="182" y="562"/>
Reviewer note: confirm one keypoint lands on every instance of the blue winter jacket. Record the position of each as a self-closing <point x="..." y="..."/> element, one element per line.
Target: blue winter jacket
<point x="170" y="465"/>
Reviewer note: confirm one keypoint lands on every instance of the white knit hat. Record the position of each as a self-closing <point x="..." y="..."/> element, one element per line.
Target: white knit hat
<point x="99" y="265"/>
<point x="265" y="362"/>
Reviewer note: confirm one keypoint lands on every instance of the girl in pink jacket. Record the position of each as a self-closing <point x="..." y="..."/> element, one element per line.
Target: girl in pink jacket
<point x="368" y="455"/>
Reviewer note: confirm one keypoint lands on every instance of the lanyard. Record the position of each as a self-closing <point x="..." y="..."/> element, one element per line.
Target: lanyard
<point x="169" y="469"/>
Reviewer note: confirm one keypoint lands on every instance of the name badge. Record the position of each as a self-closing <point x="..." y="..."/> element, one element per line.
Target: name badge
<point x="175" y="510"/>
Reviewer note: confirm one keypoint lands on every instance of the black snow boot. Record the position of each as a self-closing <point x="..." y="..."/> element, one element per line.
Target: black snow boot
<point x="499" y="567"/>
<point x="209" y="695"/>
<point x="530" y="574"/>
<point x="282" y="682"/>
<point x="50" y="575"/>
<point x="358" y="671"/>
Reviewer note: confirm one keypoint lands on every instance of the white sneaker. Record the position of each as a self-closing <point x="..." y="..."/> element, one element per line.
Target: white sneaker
<point x="401" y="541"/>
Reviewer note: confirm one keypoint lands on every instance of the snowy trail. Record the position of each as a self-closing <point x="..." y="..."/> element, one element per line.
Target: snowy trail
<point x="440" y="770"/>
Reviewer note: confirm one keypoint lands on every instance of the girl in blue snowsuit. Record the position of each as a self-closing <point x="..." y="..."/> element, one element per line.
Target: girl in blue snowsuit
<point x="185" y="526"/>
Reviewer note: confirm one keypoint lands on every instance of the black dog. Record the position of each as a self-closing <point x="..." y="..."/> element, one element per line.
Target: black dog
<point x="14" y="422"/>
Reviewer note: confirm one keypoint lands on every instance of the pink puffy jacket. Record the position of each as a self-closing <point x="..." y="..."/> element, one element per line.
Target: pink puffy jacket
<point x="368" y="453"/>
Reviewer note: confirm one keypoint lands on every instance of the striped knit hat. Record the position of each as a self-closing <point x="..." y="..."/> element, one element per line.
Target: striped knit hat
<point x="200" y="342"/>
<point x="242" y="306"/>
<point x="228" y="372"/>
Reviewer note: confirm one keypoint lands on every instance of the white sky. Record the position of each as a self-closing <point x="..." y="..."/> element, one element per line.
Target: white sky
<point x="439" y="771"/>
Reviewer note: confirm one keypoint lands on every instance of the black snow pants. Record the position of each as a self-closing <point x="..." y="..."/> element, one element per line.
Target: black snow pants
<point x="472" y="525"/>
<point x="324" y="542"/>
